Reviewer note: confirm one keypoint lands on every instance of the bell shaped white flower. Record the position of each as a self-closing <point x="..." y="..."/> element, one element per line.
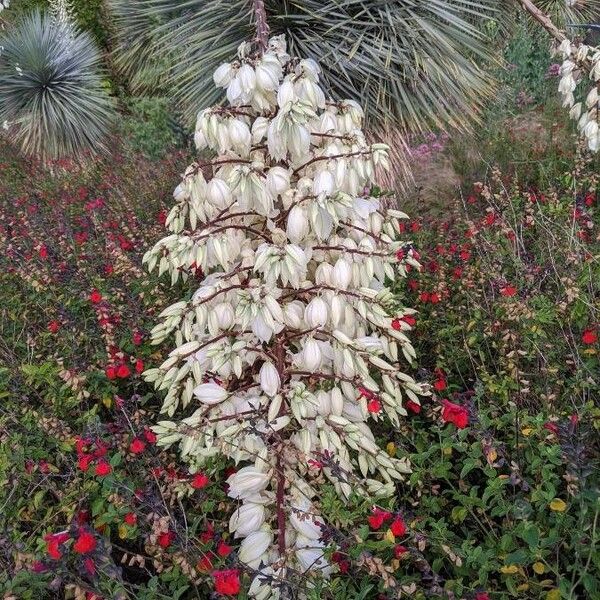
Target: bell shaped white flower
<point x="210" y="393"/>
<point x="246" y="482"/>
<point x="269" y="379"/>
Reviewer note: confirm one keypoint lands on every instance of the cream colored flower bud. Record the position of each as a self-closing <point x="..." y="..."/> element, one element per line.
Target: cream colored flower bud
<point x="269" y="379"/>
<point x="246" y="519"/>
<point x="316" y="313"/>
<point x="210" y="393"/>
<point x="218" y="193"/>
<point x="247" y="481"/>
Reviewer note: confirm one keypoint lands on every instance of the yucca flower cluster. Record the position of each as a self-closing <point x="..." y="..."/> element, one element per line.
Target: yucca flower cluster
<point x="293" y="340"/>
<point x="581" y="62"/>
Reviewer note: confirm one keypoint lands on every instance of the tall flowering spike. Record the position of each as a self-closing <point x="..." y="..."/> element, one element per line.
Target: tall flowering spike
<point x="287" y="349"/>
<point x="581" y="63"/>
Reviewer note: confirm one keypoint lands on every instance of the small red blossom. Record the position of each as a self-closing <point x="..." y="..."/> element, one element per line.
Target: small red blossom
<point x="111" y="372"/>
<point x="123" y="371"/>
<point x="374" y="406"/>
<point x="95" y="297"/>
<point x="150" y="436"/>
<point x="589" y="337"/>
<point x="43" y="252"/>
<point x="396" y="324"/>
<point x="227" y="582"/>
<point x="200" y="481"/>
<point x="89" y="566"/>
<point x="84" y="462"/>
<point x="137" y="446"/>
<point x="224" y="549"/>
<point x="130" y="519"/>
<point x="551" y="427"/>
<point x="409" y="320"/>
<point x="137" y="338"/>
<point x="400" y="551"/>
<point x="165" y="539"/>
<point x="413" y="407"/>
<point x="378" y="518"/>
<point x="509" y="291"/>
<point x="102" y="469"/>
<point x="85" y="542"/>
<point x="439" y="384"/>
<point x="398" y="527"/>
<point x="454" y="413"/>
<point x="482" y="596"/>
<point x="139" y="366"/>
<point x="341" y="561"/>
<point x="53" y="326"/>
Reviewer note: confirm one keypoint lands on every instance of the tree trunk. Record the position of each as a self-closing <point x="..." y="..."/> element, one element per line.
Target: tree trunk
<point x="543" y="19"/>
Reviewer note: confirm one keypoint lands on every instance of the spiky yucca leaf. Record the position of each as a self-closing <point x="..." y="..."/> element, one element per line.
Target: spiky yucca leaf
<point x="52" y="97"/>
<point x="406" y="61"/>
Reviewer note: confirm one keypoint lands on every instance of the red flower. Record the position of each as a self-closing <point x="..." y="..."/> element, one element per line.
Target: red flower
<point x="378" y="518"/>
<point x="85" y="542"/>
<point x="53" y="326"/>
<point x="227" y="582"/>
<point x="109" y="269"/>
<point x="339" y="559"/>
<point x="396" y="324"/>
<point x="53" y="542"/>
<point x="435" y="298"/>
<point x="589" y="337"/>
<point x="374" y="406"/>
<point x="413" y="407"/>
<point x="454" y="413"/>
<point x="102" y="469"/>
<point x="552" y="427"/>
<point x="137" y="338"/>
<point x="439" y="384"/>
<point x="123" y="371"/>
<point x="398" y="527"/>
<point x="165" y="539"/>
<point x="137" y="446"/>
<point x="84" y="462"/>
<point x="95" y="297"/>
<point x="205" y="564"/>
<point x="400" y="551"/>
<point x="482" y="596"/>
<point x="199" y="481"/>
<point x="43" y="251"/>
<point x="150" y="436"/>
<point x="111" y="372"/>
<point x="409" y="320"/>
<point x="90" y="567"/>
<point x="130" y="519"/>
<point x="139" y="366"/>
<point x="509" y="291"/>
<point x="223" y="549"/>
<point x="424" y="296"/>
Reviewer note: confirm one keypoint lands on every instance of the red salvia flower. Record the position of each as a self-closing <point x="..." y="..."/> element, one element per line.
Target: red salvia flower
<point x="85" y="542"/>
<point x="454" y="413"/>
<point x="137" y="446"/>
<point x="103" y="468"/>
<point x="589" y="337"/>
<point x="199" y="481"/>
<point x="227" y="582"/>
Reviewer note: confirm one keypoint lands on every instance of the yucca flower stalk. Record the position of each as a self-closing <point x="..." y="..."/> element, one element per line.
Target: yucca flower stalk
<point x="581" y="63"/>
<point x="293" y="342"/>
<point x="52" y="97"/>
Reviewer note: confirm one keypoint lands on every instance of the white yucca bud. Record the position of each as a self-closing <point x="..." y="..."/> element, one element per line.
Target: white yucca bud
<point x="268" y="72"/>
<point x="210" y="393"/>
<point x="278" y="180"/>
<point x="224" y="315"/>
<point x="200" y="140"/>
<point x="247" y="481"/>
<point x="285" y="93"/>
<point x="181" y="193"/>
<point x="246" y="519"/>
<point x="247" y="78"/>
<point x="316" y="313"/>
<point x="311" y="356"/>
<point x="297" y="225"/>
<point x="342" y="274"/>
<point x="223" y="75"/>
<point x="592" y="98"/>
<point x="269" y="379"/>
<point x="323" y="183"/>
<point x="259" y="129"/>
<point x="255" y="545"/>
<point x="218" y="193"/>
<point x="239" y="134"/>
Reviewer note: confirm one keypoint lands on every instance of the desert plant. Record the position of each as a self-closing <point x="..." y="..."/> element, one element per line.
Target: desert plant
<point x="292" y="341"/>
<point x="409" y="63"/>
<point x="52" y="96"/>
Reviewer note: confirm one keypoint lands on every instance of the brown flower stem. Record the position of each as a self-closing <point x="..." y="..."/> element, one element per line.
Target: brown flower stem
<point x="262" y="28"/>
<point x="543" y="19"/>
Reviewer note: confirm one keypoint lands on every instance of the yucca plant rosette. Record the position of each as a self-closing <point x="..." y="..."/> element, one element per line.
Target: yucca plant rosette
<point x="292" y="342"/>
<point x="53" y="99"/>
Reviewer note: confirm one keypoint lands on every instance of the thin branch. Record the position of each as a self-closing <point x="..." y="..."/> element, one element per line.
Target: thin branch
<point x="543" y="19"/>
